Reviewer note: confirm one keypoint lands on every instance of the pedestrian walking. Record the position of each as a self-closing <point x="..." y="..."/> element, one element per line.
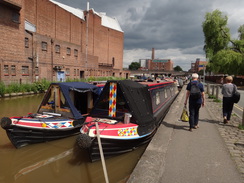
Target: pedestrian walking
<point x="227" y="91"/>
<point x="195" y="94"/>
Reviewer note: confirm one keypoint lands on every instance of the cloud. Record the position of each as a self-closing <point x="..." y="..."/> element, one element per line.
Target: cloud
<point x="172" y="27"/>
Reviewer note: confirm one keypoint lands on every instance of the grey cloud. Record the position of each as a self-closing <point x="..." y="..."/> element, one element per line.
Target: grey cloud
<point x="163" y="24"/>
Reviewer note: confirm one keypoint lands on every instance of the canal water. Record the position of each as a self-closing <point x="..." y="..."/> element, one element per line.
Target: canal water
<point x="59" y="161"/>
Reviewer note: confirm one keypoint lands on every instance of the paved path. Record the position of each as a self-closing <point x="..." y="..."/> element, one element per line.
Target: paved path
<point x="213" y="153"/>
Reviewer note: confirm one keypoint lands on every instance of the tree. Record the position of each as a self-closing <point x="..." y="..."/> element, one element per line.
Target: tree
<point x="216" y="33"/>
<point x="177" y="68"/>
<point x="225" y="55"/>
<point x="134" y="66"/>
<point x="241" y="32"/>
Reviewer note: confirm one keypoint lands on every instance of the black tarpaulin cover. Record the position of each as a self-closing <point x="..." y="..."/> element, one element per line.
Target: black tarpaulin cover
<point x="137" y="98"/>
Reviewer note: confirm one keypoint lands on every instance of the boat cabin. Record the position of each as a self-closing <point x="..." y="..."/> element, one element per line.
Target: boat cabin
<point x="70" y="100"/>
<point x="144" y="102"/>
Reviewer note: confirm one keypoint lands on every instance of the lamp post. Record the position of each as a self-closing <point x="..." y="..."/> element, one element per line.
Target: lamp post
<point x="204" y="73"/>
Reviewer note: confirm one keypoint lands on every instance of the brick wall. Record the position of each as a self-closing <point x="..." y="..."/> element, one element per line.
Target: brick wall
<point x="64" y="37"/>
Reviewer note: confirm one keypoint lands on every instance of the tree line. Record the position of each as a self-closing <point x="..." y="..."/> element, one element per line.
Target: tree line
<point x="225" y="54"/>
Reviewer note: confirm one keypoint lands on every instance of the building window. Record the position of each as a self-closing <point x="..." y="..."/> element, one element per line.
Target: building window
<point x="57" y="48"/>
<point x="5" y="70"/>
<point x="36" y="71"/>
<point x="75" y="52"/>
<point x="78" y="73"/>
<point x="74" y="72"/>
<point x="13" y="70"/>
<point x="67" y="71"/>
<point x="27" y="42"/>
<point x="68" y="51"/>
<point x="44" y="46"/>
<point x="25" y="70"/>
<point x="15" y="17"/>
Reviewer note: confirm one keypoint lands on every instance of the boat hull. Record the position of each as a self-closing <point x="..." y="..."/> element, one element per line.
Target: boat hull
<point x="21" y="137"/>
<point x="26" y="131"/>
<point x="113" y="147"/>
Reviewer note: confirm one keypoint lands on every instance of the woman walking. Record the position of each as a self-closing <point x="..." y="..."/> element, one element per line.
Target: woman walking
<point x="227" y="91"/>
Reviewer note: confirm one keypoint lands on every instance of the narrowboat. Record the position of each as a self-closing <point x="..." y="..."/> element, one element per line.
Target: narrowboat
<point x="127" y="114"/>
<point x="61" y="113"/>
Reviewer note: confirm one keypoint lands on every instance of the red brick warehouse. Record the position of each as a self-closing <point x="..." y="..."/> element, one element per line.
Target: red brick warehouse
<point x="46" y="39"/>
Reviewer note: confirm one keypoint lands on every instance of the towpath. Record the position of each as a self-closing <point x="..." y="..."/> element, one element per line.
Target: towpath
<point x="213" y="153"/>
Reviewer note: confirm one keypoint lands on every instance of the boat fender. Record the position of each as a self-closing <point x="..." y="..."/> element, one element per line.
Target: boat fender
<point x="6" y="123"/>
<point x="84" y="141"/>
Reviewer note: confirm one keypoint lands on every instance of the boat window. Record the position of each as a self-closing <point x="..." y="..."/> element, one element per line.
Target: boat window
<point x="157" y="98"/>
<point x="165" y="94"/>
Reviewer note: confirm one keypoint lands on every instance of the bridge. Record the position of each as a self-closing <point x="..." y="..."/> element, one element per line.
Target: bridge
<point x="158" y="72"/>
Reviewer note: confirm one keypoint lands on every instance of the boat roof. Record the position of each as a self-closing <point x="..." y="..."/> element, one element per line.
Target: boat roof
<point x="66" y="86"/>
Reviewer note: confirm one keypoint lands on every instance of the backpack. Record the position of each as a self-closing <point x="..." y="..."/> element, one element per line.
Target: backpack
<point x="195" y="92"/>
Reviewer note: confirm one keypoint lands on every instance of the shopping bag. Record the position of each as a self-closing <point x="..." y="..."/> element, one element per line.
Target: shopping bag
<point x="184" y="116"/>
<point x="236" y="97"/>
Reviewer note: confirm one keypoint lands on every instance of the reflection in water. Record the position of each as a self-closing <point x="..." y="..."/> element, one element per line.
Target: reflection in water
<point x="59" y="161"/>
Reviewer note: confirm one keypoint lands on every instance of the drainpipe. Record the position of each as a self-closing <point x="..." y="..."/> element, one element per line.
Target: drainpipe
<point x="32" y="55"/>
<point x="52" y="59"/>
<point x="1" y="69"/>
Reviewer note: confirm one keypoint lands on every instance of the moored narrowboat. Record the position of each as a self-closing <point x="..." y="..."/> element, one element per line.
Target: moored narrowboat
<point x="60" y="114"/>
<point x="128" y="114"/>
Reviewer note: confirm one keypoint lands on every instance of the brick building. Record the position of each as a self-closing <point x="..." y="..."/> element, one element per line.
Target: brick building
<point x="156" y="64"/>
<point x="46" y="39"/>
<point x="198" y="65"/>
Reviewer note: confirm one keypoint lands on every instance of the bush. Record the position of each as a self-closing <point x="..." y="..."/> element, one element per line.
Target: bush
<point x="13" y="88"/>
<point x="43" y="85"/>
<point x="2" y="89"/>
<point x="25" y="87"/>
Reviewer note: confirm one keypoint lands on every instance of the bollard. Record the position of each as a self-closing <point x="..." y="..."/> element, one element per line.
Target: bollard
<point x="217" y="92"/>
<point x="212" y="90"/>
<point x="243" y="117"/>
<point x="208" y="89"/>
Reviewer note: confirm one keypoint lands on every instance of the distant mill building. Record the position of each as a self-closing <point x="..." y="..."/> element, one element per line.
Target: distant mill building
<point x="44" y="39"/>
<point x="156" y="64"/>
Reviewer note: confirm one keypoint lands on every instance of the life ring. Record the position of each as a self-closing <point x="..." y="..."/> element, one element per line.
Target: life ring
<point x="6" y="123"/>
<point x="84" y="141"/>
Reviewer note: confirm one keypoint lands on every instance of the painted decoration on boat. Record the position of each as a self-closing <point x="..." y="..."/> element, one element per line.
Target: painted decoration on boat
<point x="127" y="131"/>
<point x="58" y="125"/>
<point x="112" y="99"/>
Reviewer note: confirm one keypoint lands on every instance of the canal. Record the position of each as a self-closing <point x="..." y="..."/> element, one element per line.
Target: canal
<point x="59" y="161"/>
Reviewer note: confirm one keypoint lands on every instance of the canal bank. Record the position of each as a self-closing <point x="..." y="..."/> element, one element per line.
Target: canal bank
<point x="208" y="154"/>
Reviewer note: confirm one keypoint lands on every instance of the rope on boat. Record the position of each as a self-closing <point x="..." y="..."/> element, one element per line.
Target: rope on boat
<point x="101" y="154"/>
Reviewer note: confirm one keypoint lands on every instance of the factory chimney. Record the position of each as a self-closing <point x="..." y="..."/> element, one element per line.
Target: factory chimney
<point x="152" y="53"/>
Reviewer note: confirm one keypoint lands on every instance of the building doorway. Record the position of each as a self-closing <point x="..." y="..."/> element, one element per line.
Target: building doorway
<point x="82" y="73"/>
<point x="61" y="76"/>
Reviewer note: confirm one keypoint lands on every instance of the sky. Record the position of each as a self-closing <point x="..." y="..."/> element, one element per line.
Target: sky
<point x="172" y="27"/>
